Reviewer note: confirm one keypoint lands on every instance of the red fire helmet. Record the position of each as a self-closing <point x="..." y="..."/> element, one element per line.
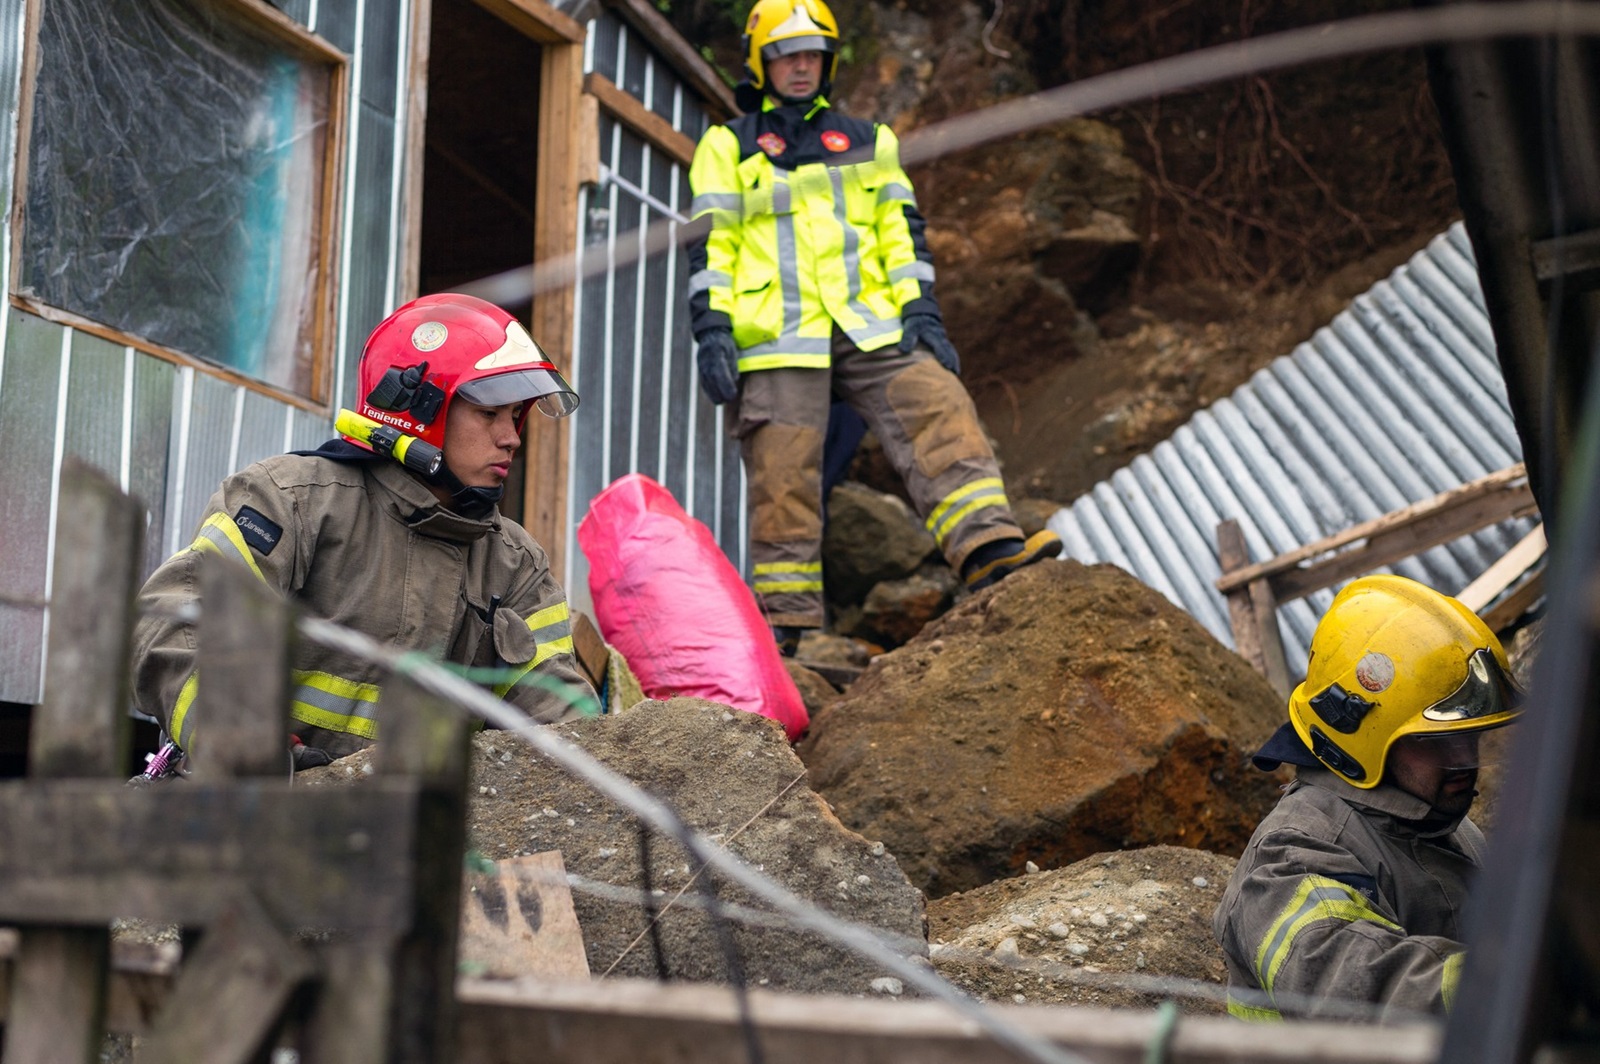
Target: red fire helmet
<point x="440" y="346"/>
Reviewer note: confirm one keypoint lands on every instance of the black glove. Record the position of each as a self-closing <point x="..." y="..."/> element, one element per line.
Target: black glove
<point x="926" y="330"/>
<point x="719" y="365"/>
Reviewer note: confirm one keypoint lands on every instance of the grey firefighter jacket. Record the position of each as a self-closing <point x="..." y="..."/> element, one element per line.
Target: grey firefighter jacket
<point x="366" y="545"/>
<point x="1347" y="894"/>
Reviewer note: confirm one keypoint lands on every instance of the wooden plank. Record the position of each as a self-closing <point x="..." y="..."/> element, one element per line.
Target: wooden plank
<point x="680" y="55"/>
<point x="79" y="852"/>
<point x="520" y="921"/>
<point x="1499" y="576"/>
<point x="656" y="131"/>
<point x="431" y="745"/>
<point x="416" y="126"/>
<point x="1265" y="606"/>
<point x="57" y="1005"/>
<point x="588" y="144"/>
<point x="607" y="1021"/>
<point x="231" y="993"/>
<point x="594" y="657"/>
<point x="82" y="727"/>
<point x="1497" y="497"/>
<point x="246" y="641"/>
<point x="536" y="19"/>
<point x="81" y="730"/>
<point x="348" y="1022"/>
<point x="1233" y="555"/>
<point x="505" y="1022"/>
<point x="1514" y="605"/>
<point x="544" y="497"/>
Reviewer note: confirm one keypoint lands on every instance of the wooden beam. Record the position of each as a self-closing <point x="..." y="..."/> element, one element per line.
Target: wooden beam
<point x="1497" y="497"/>
<point x="81" y="730"/>
<point x="536" y="19"/>
<point x="75" y="852"/>
<point x="1253" y="611"/>
<point x="657" y="131"/>
<point x="681" y="55"/>
<point x="415" y="126"/>
<point x="606" y="1021"/>
<point x="1499" y="616"/>
<point x="1499" y="576"/>
<point x="246" y="644"/>
<point x="545" y="506"/>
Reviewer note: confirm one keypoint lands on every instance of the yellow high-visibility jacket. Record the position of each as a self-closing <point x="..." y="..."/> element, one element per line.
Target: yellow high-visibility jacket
<point x="812" y="221"/>
<point x="364" y="544"/>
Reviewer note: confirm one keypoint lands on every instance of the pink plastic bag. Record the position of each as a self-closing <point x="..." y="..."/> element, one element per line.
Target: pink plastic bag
<point x="667" y="597"/>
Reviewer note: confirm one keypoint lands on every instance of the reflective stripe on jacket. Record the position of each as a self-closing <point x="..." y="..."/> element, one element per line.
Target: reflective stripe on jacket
<point x="812" y="221"/>
<point x="368" y="546"/>
<point x="1345" y="895"/>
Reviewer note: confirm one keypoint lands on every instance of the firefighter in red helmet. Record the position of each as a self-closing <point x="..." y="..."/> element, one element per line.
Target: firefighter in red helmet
<point x="394" y="530"/>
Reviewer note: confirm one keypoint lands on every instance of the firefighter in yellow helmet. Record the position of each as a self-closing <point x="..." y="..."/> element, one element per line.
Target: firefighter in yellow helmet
<point x="1352" y="888"/>
<point x="811" y="278"/>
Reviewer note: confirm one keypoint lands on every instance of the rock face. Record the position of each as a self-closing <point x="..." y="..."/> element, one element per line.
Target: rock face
<point x="719" y="768"/>
<point x="1065" y="712"/>
<point x="1087" y="934"/>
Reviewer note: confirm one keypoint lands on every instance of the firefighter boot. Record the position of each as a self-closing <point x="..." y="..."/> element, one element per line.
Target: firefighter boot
<point x="993" y="562"/>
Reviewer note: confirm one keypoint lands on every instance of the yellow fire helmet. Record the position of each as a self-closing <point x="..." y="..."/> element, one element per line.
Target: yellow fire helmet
<point x="1392" y="658"/>
<point x="783" y="27"/>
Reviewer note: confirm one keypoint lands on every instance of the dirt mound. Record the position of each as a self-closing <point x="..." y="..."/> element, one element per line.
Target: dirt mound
<point x="1076" y="935"/>
<point x="720" y="769"/>
<point x="1069" y="711"/>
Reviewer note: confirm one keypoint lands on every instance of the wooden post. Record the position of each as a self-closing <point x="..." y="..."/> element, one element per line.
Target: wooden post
<point x="1253" y="611"/>
<point x="246" y="638"/>
<point x="544" y="498"/>
<point x="394" y="999"/>
<point x="81" y="729"/>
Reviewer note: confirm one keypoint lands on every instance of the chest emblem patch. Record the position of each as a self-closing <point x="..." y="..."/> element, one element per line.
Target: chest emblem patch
<point x="833" y="140"/>
<point x="772" y="144"/>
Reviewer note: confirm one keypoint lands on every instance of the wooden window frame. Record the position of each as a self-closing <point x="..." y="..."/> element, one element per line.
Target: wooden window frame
<point x="303" y="43"/>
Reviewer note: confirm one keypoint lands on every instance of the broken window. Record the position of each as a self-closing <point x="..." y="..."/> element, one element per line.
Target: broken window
<point x="178" y="180"/>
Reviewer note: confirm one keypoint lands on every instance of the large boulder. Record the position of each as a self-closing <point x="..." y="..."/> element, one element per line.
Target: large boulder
<point x="1067" y="711"/>
<point x="1104" y="931"/>
<point x="720" y="769"/>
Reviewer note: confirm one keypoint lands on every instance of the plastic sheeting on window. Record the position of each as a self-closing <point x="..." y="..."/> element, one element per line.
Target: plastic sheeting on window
<point x="176" y="180"/>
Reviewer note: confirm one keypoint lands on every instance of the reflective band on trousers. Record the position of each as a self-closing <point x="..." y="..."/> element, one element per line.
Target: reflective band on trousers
<point x="785" y="577"/>
<point x="1317" y="899"/>
<point x="981" y="493"/>
<point x="1253" y="1013"/>
<point x="552" y="635"/>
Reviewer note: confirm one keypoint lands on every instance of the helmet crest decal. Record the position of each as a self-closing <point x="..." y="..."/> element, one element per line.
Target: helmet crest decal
<point x="518" y="350"/>
<point x="1343" y="711"/>
<point x="429" y="336"/>
<point x="1375" y="671"/>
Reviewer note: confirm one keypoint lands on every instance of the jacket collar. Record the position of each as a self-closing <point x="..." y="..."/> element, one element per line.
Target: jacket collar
<point x="410" y="502"/>
<point x="818" y="104"/>
<point x="1408" y="814"/>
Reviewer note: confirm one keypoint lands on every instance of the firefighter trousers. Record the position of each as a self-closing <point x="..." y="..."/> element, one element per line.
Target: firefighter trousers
<point x="929" y="429"/>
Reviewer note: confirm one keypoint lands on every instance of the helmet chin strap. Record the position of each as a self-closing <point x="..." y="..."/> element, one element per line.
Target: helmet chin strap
<point x="472" y="503"/>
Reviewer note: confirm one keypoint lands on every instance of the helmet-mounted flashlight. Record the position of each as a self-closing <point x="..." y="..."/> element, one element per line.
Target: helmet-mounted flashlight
<point x="409" y="451"/>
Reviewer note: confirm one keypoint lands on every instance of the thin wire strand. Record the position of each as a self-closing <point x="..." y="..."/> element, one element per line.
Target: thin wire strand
<point x="1387" y="31"/>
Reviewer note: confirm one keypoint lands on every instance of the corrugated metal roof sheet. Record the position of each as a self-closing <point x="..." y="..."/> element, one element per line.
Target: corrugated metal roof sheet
<point x="1399" y="398"/>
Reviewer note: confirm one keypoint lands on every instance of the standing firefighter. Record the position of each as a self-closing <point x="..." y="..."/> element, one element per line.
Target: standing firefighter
<point x="1352" y="889"/>
<point x="393" y="530"/>
<point x="813" y="277"/>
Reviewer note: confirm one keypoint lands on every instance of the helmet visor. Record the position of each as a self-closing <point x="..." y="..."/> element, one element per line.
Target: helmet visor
<point x="1486" y="692"/>
<point x="791" y="45"/>
<point x="546" y="388"/>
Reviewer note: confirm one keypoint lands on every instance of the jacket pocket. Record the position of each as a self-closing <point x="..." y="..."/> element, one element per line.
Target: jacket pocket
<point x="757" y="304"/>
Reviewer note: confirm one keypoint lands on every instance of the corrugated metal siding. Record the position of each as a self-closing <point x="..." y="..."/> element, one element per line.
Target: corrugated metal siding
<point x="1396" y="400"/>
<point x="30" y="401"/>
<point x="633" y="355"/>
